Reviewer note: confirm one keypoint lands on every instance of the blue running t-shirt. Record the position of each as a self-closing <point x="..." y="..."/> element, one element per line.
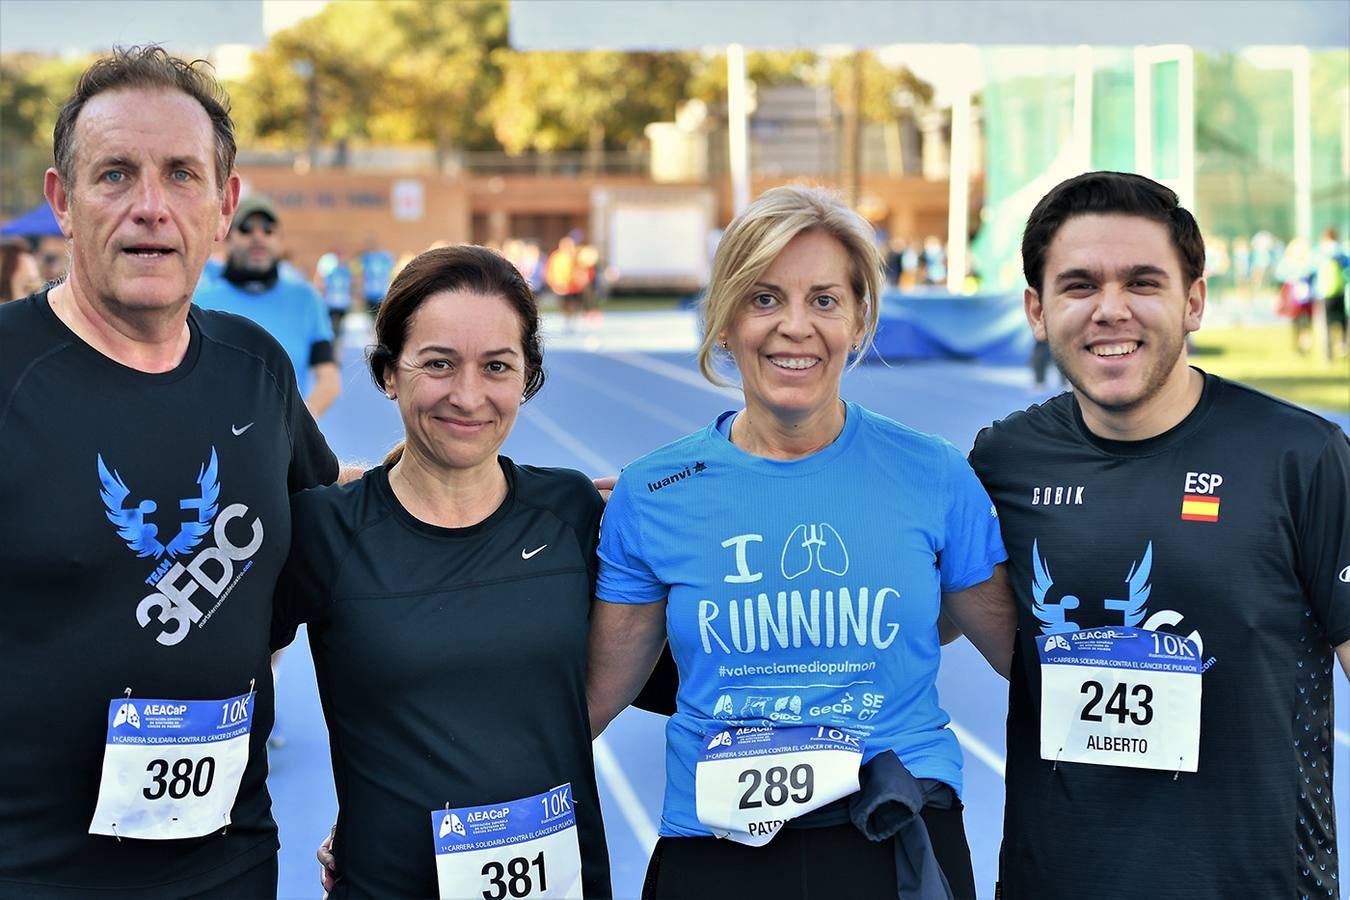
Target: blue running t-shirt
<point x="804" y="591"/>
<point x="290" y="311"/>
<point x="377" y="269"/>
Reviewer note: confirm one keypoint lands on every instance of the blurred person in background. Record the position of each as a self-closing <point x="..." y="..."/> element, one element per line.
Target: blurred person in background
<point x="588" y="276"/>
<point x="1265" y="252"/>
<point x="377" y="270"/>
<point x="252" y="284"/>
<point x="563" y="275"/>
<point x="19" y="274"/>
<point x="334" y="280"/>
<point x="1295" y="273"/>
<point x="53" y="258"/>
<point x="934" y="260"/>
<point x="1333" y="266"/>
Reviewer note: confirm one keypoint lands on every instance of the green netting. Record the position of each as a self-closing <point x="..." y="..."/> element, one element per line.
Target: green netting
<point x="1113" y="109"/>
<point x="1166" y="127"/>
<point x="1244" y="140"/>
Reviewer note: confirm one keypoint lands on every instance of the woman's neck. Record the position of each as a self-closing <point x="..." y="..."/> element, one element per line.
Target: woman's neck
<point x="760" y="433"/>
<point x="453" y="498"/>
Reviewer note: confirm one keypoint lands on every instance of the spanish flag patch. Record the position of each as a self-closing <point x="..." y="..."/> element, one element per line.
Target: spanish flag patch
<point x="1197" y="508"/>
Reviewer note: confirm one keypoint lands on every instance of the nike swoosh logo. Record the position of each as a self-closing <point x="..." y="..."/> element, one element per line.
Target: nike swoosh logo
<point x="239" y="431"/>
<point x="526" y="554"/>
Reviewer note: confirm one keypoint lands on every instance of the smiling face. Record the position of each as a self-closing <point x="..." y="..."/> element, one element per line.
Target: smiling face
<point x="459" y="380"/>
<point x="143" y="206"/>
<point x="1116" y="311"/>
<point x="792" y="334"/>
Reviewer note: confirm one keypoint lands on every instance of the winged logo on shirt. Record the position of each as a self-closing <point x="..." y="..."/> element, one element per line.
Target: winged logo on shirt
<point x="141" y="536"/>
<point x="1053" y="616"/>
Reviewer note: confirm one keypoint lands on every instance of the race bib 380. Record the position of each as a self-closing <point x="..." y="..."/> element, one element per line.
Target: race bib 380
<point x="171" y="768"/>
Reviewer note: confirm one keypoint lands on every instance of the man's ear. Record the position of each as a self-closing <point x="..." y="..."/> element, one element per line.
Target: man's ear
<point x="229" y="202"/>
<point x="1031" y="301"/>
<point x="55" y="191"/>
<point x="1195" y="305"/>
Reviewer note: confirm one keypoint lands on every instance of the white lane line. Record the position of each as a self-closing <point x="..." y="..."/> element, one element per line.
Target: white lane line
<point x="1342" y="738"/>
<point x="678" y="424"/>
<point x="978" y="748"/>
<point x="597" y="464"/>
<point x="675" y="373"/>
<point x="607" y="764"/>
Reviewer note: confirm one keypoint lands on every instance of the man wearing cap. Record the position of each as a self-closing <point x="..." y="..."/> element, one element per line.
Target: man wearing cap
<point x="254" y="284"/>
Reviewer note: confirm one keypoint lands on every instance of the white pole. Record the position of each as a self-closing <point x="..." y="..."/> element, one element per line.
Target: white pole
<point x="1186" y="128"/>
<point x="1143" y="112"/>
<point x="1082" y="108"/>
<point x="958" y="177"/>
<point x="738" y="143"/>
<point x="1301" y="63"/>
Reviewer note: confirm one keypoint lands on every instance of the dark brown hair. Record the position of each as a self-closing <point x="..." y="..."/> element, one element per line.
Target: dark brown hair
<point x="466" y="267"/>
<point x="10" y="252"/>
<point x="1111" y="193"/>
<point x="144" y="67"/>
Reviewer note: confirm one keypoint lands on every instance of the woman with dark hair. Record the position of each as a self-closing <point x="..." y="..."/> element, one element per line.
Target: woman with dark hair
<point x="18" y="271"/>
<point x="447" y="596"/>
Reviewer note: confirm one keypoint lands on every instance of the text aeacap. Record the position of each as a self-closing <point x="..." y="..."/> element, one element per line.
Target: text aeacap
<point x="165" y="709"/>
<point x="484" y="815"/>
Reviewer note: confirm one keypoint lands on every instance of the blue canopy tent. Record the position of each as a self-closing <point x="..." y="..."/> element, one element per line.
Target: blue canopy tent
<point x="987" y="327"/>
<point x="37" y="222"/>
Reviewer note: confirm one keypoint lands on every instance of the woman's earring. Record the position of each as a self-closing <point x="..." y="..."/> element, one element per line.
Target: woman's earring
<point x="724" y="345"/>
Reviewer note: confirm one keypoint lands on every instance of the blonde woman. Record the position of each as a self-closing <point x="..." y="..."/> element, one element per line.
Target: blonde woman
<point x="797" y="553"/>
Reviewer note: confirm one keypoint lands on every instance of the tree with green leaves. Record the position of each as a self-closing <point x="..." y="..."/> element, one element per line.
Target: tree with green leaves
<point x="556" y="101"/>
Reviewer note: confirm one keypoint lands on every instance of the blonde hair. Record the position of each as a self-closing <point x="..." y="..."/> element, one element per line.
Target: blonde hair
<point x="756" y="237"/>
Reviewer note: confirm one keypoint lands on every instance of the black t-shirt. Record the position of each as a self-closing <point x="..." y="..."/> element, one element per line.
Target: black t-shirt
<point x="1252" y="566"/>
<point x="451" y="664"/>
<point x="113" y="484"/>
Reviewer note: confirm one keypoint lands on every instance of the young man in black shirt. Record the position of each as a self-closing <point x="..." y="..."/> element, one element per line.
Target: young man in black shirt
<point x="1179" y="545"/>
<point x="149" y="452"/>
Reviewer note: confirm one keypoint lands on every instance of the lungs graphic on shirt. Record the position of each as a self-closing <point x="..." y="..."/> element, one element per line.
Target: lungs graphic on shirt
<point x="1053" y="615"/>
<point x="142" y="536"/>
<point x="814" y="546"/>
<point x="451" y="824"/>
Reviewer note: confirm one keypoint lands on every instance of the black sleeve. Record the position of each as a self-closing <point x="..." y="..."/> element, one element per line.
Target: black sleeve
<point x="320" y="352"/>
<point x="658" y="694"/>
<point x="304" y="586"/>
<point x="588" y="528"/>
<point x="979" y="451"/>
<point x="312" y="462"/>
<point x="1324" y="539"/>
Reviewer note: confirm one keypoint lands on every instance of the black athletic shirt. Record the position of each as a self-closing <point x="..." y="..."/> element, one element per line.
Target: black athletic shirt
<point x="451" y="663"/>
<point x="1260" y="577"/>
<point x="70" y="584"/>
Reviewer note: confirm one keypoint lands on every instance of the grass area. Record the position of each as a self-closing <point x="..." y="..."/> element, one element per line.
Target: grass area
<point x="1264" y="357"/>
